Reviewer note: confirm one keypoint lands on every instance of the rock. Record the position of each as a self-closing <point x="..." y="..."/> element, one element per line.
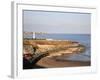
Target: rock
<point x="56" y="47"/>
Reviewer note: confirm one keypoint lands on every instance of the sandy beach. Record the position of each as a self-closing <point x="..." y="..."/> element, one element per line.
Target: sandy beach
<point x="53" y="63"/>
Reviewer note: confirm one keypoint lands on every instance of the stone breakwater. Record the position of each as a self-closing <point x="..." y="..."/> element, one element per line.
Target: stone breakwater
<point x="56" y="47"/>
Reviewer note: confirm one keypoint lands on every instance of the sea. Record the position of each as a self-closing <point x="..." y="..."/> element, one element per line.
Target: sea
<point x="84" y="39"/>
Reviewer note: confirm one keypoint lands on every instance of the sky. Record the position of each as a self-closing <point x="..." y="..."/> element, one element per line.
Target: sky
<point x="56" y="22"/>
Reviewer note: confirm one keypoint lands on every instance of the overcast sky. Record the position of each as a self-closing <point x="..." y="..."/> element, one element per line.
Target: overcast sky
<point x="57" y="22"/>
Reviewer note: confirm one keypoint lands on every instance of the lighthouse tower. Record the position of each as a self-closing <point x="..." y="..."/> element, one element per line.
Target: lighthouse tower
<point x="34" y="35"/>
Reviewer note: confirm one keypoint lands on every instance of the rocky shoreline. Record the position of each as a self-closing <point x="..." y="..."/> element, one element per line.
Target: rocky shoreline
<point x="52" y="49"/>
<point x="56" y="47"/>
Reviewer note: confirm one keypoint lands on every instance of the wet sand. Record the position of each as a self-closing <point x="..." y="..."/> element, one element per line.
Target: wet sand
<point x="53" y="63"/>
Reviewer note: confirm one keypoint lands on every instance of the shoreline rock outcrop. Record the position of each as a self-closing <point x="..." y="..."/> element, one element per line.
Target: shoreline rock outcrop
<point x="56" y="47"/>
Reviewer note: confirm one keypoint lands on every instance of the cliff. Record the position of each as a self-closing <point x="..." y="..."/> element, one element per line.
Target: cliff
<point x="56" y="47"/>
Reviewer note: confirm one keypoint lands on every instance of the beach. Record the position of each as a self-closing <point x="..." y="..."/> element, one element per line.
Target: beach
<point x="53" y="63"/>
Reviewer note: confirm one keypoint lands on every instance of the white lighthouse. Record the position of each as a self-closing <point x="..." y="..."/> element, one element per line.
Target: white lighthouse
<point x="34" y="35"/>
